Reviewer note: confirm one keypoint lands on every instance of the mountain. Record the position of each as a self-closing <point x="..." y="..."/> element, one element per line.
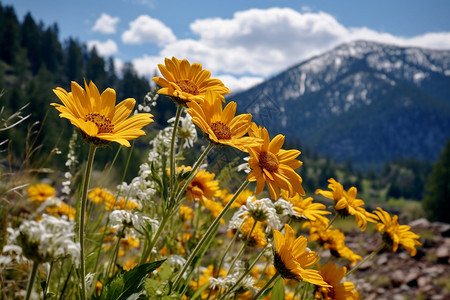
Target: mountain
<point x="364" y="101"/>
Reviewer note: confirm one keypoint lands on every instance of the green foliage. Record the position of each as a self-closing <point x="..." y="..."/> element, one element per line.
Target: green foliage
<point x="437" y="200"/>
<point x="128" y="284"/>
<point x="32" y="63"/>
<point x="278" y="290"/>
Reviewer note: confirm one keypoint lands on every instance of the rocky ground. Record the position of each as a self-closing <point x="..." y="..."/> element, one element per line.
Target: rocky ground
<point x="398" y="276"/>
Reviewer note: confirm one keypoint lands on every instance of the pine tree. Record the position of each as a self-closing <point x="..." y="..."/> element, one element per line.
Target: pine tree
<point x="74" y="65"/>
<point x="30" y="36"/>
<point x="437" y="200"/>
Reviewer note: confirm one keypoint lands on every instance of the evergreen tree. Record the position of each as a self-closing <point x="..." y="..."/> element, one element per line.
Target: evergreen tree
<point x="9" y="35"/>
<point x="52" y="54"/>
<point x="30" y="36"/>
<point x="437" y="199"/>
<point x="74" y="65"/>
<point x="95" y="70"/>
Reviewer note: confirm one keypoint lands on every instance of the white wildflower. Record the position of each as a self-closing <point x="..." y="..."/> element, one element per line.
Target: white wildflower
<point x="245" y="166"/>
<point x="48" y="239"/>
<point x="122" y="218"/>
<point x="285" y="208"/>
<point x="261" y="210"/>
<point x="186" y="130"/>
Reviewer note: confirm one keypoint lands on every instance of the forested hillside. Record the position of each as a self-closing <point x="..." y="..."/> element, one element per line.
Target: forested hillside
<point x="33" y="61"/>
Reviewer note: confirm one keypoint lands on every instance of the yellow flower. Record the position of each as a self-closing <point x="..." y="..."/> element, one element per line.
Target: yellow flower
<point x="241" y="199"/>
<point x="333" y="276"/>
<point x="185" y="82"/>
<point x="345" y="203"/>
<point x="203" y="279"/>
<point x="272" y="165"/>
<point x="186" y="213"/>
<point x="62" y="209"/>
<point x="214" y="207"/>
<point x="100" y="120"/>
<point x="98" y="288"/>
<point x="395" y="234"/>
<point x="129" y="243"/>
<point x="257" y="237"/>
<point x="331" y="239"/>
<point x="126" y="204"/>
<point x="307" y="209"/>
<point x="203" y="186"/>
<point x="349" y="205"/>
<point x="220" y="125"/>
<point x="291" y="258"/>
<point x="40" y="192"/>
<point x="336" y="193"/>
<point x="99" y="195"/>
<point x="130" y="264"/>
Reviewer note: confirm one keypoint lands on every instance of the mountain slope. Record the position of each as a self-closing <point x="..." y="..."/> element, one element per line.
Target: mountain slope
<point x="365" y="101"/>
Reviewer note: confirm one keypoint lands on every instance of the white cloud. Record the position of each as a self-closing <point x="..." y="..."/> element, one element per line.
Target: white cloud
<point x="106" y="48"/>
<point x="259" y="43"/>
<point x="106" y="24"/>
<point x="118" y="65"/>
<point x="145" y="29"/>
<point x="236" y="84"/>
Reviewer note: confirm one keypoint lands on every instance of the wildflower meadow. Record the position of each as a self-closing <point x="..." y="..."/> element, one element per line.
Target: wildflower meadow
<point x="178" y="229"/>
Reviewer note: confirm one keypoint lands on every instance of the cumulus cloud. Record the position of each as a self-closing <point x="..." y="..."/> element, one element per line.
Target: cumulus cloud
<point x="145" y="29"/>
<point x="106" y="24"/>
<point x="258" y="43"/>
<point x="236" y="84"/>
<point x="106" y="48"/>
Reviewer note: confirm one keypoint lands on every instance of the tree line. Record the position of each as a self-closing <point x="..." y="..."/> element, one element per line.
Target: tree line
<point x="33" y="62"/>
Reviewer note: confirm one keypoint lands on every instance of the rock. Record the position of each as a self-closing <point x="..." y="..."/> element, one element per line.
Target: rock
<point x="397" y="278"/>
<point x="423" y="281"/>
<point x="382" y="260"/>
<point x="411" y="278"/>
<point x="442" y="254"/>
<point x="421" y="223"/>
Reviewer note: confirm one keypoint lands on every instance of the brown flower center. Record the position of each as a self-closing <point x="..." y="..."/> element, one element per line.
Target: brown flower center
<point x="221" y="130"/>
<point x="188" y="86"/>
<point x="268" y="161"/>
<point x="103" y="123"/>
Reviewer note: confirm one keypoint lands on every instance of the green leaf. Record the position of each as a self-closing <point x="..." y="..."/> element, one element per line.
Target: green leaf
<point x="199" y="291"/>
<point x="278" y="290"/>
<point x="129" y="285"/>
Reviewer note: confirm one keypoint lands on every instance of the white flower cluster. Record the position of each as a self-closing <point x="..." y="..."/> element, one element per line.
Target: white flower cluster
<point x="48" y="239"/>
<point x="261" y="210"/>
<point x="150" y="100"/>
<point x="138" y="190"/>
<point x="186" y="130"/>
<point x="247" y="283"/>
<point x="122" y="218"/>
<point x="11" y="252"/>
<point x="285" y="208"/>
<point x="71" y="162"/>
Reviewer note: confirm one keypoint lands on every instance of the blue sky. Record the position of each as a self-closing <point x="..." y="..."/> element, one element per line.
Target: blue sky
<point x="241" y="42"/>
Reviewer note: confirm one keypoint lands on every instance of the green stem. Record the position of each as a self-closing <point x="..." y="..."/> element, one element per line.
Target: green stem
<point x="31" y="281"/>
<point x="208" y="233"/>
<point x="48" y="279"/>
<point x="226" y="250"/>
<point x="332" y="221"/>
<point x="244" y="245"/>
<point x="87" y="178"/>
<point x="249" y="269"/>
<point x="192" y="175"/>
<point x="115" y="253"/>
<point x="128" y="161"/>
<point x="366" y="259"/>
<point x="148" y="249"/>
<point x="172" y="147"/>
<point x="268" y="284"/>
